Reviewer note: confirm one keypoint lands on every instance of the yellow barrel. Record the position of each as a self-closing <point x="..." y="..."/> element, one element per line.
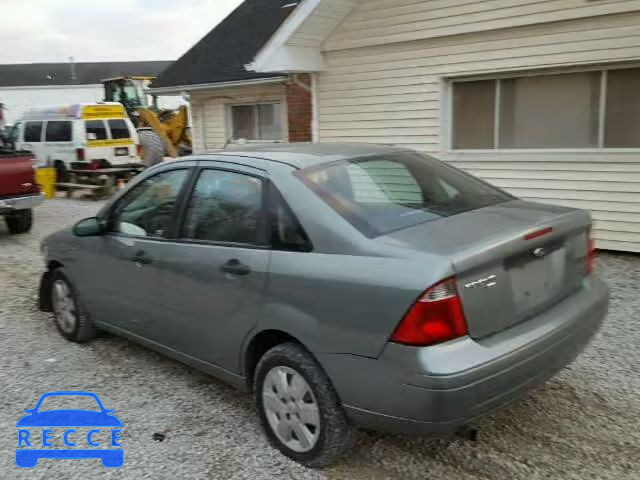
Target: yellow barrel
<point x="46" y="178"/>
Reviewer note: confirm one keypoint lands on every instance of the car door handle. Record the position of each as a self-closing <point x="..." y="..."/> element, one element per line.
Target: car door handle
<point x="235" y="267"/>
<point x="141" y="258"/>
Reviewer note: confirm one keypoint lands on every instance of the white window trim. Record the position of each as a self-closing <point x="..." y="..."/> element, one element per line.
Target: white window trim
<point x="282" y="101"/>
<point x="603" y="68"/>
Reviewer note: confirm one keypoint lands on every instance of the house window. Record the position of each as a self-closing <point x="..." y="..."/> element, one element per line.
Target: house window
<point x="622" y="119"/>
<point x="594" y="109"/>
<point x="257" y="122"/>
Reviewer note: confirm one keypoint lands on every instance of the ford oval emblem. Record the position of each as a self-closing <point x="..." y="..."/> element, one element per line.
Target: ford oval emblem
<point x="540" y="252"/>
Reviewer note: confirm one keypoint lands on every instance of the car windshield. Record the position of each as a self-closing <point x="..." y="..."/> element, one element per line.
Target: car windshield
<point x="382" y="194"/>
<point x="69" y="402"/>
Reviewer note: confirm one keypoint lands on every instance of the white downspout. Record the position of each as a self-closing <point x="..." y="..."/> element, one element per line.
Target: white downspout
<point x="315" y="127"/>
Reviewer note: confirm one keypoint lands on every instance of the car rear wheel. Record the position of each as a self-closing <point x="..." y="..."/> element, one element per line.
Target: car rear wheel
<point x="19" y="222"/>
<point x="69" y="315"/>
<point x="298" y="408"/>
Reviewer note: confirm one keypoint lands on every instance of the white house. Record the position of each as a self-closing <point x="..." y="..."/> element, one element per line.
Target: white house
<point x="27" y="85"/>
<point x="228" y="103"/>
<point x="539" y="97"/>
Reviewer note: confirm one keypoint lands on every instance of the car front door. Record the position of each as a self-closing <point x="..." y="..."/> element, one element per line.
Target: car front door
<point x="213" y="278"/>
<point x="124" y="265"/>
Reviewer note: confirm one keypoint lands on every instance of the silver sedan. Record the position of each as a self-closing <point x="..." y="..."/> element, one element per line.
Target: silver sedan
<point x="343" y="285"/>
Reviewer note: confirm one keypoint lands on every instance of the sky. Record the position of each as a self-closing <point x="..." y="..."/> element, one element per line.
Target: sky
<point x="33" y="31"/>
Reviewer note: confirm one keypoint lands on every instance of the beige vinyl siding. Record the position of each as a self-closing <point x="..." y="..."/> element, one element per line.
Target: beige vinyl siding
<point x="210" y="108"/>
<point x="375" y="22"/>
<point x="398" y="93"/>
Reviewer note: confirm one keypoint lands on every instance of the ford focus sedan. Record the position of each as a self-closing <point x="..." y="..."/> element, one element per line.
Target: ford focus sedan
<point x="343" y="285"/>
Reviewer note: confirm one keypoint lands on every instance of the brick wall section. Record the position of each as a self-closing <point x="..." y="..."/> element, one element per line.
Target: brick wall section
<point x="299" y="107"/>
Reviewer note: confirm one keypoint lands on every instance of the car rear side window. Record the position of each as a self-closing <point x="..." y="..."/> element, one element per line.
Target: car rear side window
<point x="96" y="130"/>
<point x="286" y="232"/>
<point x="33" y="132"/>
<point x="382" y="194"/>
<point x="58" y="132"/>
<point x="148" y="210"/>
<point x="119" y="129"/>
<point x="225" y="207"/>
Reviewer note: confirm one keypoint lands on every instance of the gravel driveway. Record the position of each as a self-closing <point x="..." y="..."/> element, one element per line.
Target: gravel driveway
<point x="583" y="424"/>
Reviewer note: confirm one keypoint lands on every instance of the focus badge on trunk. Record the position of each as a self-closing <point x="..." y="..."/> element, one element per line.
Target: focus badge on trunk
<point x="486" y="282"/>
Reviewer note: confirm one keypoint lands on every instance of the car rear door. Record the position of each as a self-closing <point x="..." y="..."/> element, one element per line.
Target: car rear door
<point x="121" y="148"/>
<point x="213" y="277"/>
<point x="58" y="141"/>
<point x="31" y="140"/>
<point x="122" y="269"/>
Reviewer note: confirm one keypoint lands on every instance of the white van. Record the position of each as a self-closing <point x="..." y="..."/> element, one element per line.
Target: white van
<point x="79" y="136"/>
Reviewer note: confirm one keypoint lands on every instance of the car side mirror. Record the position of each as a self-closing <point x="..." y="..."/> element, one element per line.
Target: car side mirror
<point x="109" y="411"/>
<point x="89" y="227"/>
<point x="29" y="410"/>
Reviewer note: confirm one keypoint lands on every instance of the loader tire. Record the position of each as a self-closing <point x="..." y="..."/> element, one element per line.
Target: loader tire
<point x="152" y="147"/>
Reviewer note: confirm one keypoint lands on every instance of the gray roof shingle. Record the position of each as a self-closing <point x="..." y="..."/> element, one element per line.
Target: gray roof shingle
<point x="41" y="74"/>
<point x="222" y="54"/>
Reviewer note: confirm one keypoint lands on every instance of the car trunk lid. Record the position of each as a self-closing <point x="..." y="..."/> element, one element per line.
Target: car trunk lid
<point x="511" y="261"/>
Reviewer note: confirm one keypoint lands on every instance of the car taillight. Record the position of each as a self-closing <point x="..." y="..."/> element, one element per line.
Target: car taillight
<point x="591" y="254"/>
<point x="435" y="317"/>
<point x="139" y="150"/>
<point x="80" y="154"/>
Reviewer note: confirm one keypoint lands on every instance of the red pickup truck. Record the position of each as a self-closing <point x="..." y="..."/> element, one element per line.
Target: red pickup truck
<point x="19" y="192"/>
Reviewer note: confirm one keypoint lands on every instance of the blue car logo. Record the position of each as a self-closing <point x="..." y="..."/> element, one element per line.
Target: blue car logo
<point x="95" y="428"/>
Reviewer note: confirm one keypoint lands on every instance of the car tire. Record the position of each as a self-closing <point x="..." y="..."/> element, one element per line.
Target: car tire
<point x="334" y="435"/>
<point x="152" y="147"/>
<point x="19" y="222"/>
<point x="69" y="315"/>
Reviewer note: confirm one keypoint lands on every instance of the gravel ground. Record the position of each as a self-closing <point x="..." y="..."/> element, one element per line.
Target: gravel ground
<point x="583" y="424"/>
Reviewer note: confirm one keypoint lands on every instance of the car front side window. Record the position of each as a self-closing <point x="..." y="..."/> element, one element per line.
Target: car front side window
<point x="148" y="210"/>
<point x="225" y="207"/>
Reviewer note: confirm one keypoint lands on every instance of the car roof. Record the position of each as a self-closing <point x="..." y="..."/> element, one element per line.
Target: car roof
<point x="302" y="155"/>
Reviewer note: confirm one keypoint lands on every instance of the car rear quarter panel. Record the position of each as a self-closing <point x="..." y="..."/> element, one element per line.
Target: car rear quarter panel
<point x="348" y="294"/>
<point x="344" y="303"/>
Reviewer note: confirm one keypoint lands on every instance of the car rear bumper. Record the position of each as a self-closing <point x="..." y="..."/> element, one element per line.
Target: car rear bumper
<point x="23" y="202"/>
<point x="438" y="389"/>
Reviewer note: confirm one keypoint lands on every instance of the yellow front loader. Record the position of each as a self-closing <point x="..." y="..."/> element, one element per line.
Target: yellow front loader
<point x="162" y="132"/>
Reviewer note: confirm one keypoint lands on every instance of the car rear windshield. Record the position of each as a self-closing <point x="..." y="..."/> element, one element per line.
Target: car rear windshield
<point x="383" y="194"/>
<point x="119" y="129"/>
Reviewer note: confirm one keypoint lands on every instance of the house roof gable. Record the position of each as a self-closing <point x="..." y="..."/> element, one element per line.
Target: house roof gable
<point x="296" y="45"/>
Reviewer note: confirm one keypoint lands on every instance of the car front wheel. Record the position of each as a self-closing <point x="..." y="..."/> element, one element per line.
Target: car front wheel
<point x="298" y="408"/>
<point x="69" y="315"/>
